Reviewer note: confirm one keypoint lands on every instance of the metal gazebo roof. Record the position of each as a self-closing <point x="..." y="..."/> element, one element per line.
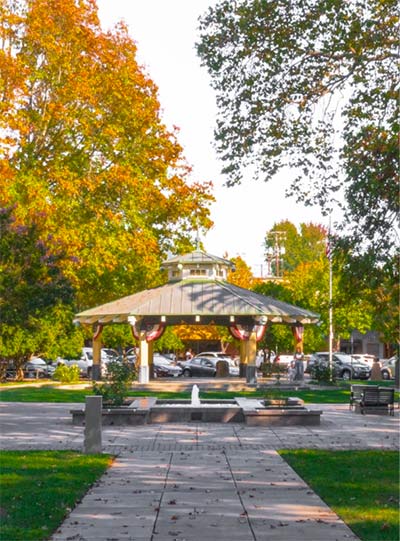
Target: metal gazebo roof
<point x="195" y="294"/>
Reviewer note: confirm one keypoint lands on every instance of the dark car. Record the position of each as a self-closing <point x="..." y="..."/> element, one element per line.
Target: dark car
<point x="199" y="367"/>
<point x="164" y="367"/>
<point x="344" y="366"/>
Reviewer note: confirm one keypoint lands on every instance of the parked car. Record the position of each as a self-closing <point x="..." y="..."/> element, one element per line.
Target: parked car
<point x="214" y="355"/>
<point x="170" y="356"/>
<point x="388" y="367"/>
<point x="206" y="366"/>
<point x="111" y="353"/>
<point x="369" y="359"/>
<point x="283" y="360"/>
<point x="164" y="367"/>
<point x="85" y="362"/>
<point x="344" y="366"/>
<point x="37" y="367"/>
<point x="221" y="356"/>
<point x="167" y="371"/>
<point x="130" y="359"/>
<point x="199" y="367"/>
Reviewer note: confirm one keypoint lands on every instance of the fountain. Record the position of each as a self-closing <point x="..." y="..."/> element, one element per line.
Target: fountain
<point x="195" y="396"/>
<point x="251" y="411"/>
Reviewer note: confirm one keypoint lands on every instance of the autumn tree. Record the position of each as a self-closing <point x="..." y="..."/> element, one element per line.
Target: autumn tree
<point x="242" y="275"/>
<point x="84" y="154"/>
<point x="313" y="86"/>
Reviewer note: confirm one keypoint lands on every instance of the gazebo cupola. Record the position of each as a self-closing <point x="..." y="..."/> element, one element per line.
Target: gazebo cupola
<point x="197" y="265"/>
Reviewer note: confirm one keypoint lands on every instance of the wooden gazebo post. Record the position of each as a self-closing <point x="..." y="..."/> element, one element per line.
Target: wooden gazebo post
<point x="243" y="351"/>
<point x="96" y="368"/>
<point x="251" y="347"/>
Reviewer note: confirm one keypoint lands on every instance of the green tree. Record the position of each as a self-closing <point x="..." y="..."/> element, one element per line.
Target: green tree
<point x="306" y="245"/>
<point x="314" y="86"/>
<point x="36" y="298"/>
<point x="169" y="341"/>
<point x="307" y="285"/>
<point x="84" y="153"/>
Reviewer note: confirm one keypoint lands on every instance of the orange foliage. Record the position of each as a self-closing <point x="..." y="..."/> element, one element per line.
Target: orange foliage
<point x="197" y="332"/>
<point x="242" y="276"/>
<point x="84" y="151"/>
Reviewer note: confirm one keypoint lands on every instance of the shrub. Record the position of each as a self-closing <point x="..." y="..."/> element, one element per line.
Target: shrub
<point x="66" y="374"/>
<point x="116" y="388"/>
<point x="322" y="374"/>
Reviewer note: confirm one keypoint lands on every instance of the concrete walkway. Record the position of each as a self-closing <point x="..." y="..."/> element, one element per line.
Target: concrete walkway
<point x="199" y="481"/>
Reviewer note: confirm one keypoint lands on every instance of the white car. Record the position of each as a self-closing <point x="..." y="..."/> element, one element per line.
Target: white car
<point x="369" y="359"/>
<point x="284" y="360"/>
<point x="215" y="355"/>
<point x="37" y="367"/>
<point x="85" y="362"/>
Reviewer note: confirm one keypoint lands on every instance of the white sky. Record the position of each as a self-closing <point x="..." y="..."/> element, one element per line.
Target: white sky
<point x="165" y="32"/>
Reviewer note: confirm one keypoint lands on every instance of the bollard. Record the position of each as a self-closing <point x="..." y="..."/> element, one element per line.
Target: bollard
<point x="92" y="434"/>
<point x="251" y="374"/>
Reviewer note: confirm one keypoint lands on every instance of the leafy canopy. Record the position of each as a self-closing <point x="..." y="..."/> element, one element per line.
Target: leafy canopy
<point x="84" y="153"/>
<point x="36" y="298"/>
<point x="305" y="283"/>
<point x="314" y="86"/>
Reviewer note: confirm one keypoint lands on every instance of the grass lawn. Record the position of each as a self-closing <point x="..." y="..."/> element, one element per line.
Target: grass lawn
<point x="39" y="488"/>
<point x="362" y="487"/>
<point x="52" y="393"/>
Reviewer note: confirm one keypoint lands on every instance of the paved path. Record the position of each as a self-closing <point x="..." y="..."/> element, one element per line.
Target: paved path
<point x="200" y="481"/>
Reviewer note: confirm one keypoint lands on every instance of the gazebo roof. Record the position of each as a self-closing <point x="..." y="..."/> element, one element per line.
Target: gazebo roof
<point x="194" y="299"/>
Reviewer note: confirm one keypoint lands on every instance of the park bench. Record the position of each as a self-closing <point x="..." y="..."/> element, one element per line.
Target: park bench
<point x="373" y="399"/>
<point x="356" y="392"/>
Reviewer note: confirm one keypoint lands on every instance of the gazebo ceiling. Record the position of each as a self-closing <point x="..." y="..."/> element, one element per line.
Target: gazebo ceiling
<point x="202" y="301"/>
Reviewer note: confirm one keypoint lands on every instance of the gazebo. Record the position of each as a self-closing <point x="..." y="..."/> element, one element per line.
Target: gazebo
<point x="197" y="292"/>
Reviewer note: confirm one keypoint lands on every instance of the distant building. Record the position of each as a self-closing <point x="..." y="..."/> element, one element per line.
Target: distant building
<point x="365" y="343"/>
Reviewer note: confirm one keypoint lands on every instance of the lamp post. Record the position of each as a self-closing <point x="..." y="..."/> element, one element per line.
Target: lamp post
<point x="329" y="255"/>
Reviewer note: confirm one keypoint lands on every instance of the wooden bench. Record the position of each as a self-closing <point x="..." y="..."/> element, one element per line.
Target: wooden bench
<point x="356" y="393"/>
<point x="374" y="399"/>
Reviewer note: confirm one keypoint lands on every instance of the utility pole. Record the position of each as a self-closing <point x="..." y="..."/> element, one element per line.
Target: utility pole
<point x="275" y="252"/>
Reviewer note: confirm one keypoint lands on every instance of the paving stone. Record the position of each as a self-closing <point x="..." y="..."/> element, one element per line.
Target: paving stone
<point x="199" y="482"/>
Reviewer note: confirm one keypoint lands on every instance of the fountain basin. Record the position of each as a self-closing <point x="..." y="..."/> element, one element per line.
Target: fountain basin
<point x="208" y="411"/>
<point x="253" y="412"/>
